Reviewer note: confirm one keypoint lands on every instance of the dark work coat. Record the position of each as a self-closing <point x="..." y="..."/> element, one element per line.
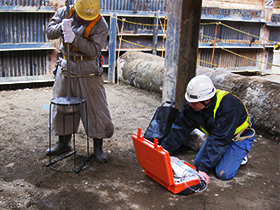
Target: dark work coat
<point x="230" y="114"/>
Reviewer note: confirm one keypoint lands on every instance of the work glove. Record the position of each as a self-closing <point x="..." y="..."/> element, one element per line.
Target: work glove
<point x="66" y="24"/>
<point x="68" y="34"/>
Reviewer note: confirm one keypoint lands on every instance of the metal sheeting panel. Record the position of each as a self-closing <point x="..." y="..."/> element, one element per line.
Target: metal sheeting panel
<point x="136" y="25"/>
<point x="225" y="59"/>
<point x="251" y="28"/>
<point x="274" y="34"/>
<point x="206" y="56"/>
<point x="145" y="25"/>
<point x="132" y="5"/>
<point x="207" y="32"/>
<point x="224" y="33"/>
<point x="231" y="60"/>
<point x="23" y="27"/>
<point x="23" y="63"/>
<point x="136" y="5"/>
<point x="33" y="3"/>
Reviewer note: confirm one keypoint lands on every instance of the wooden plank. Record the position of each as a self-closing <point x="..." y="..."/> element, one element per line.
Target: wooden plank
<point x="26" y="79"/>
<point x="27" y="46"/>
<point x="182" y="45"/>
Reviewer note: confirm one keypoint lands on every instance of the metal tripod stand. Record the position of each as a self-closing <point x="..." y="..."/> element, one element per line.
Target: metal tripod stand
<point x="68" y="108"/>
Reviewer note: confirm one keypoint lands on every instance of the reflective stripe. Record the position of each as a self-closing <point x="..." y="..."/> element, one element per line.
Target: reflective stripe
<point x="220" y="94"/>
<point x="246" y="123"/>
<point x="203" y="130"/>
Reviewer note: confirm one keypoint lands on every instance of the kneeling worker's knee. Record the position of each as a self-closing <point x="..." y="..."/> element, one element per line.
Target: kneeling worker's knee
<point x="223" y="175"/>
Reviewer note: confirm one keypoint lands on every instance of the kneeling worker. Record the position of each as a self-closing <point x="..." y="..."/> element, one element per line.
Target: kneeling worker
<point x="225" y="120"/>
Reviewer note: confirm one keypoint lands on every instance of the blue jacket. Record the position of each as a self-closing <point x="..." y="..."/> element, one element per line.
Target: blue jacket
<point x="230" y="114"/>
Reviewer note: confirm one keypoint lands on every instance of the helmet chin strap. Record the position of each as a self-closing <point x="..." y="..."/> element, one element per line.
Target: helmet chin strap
<point x="206" y="105"/>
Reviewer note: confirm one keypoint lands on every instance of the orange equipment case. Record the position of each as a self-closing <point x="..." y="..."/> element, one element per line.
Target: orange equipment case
<point x="157" y="164"/>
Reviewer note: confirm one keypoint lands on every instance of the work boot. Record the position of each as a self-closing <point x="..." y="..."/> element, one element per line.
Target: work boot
<point x="99" y="154"/>
<point x="244" y="161"/>
<point x="64" y="145"/>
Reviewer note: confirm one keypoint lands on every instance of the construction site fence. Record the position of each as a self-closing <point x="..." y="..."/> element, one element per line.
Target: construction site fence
<point x="233" y="33"/>
<point x="246" y="59"/>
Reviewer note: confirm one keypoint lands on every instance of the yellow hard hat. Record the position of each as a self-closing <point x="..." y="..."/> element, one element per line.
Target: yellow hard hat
<point x="87" y="9"/>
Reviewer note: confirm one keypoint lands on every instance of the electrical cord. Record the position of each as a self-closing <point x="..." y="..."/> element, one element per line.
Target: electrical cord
<point x="202" y="181"/>
<point x="183" y="174"/>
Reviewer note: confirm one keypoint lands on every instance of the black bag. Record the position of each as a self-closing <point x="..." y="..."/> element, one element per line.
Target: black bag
<point x="162" y="121"/>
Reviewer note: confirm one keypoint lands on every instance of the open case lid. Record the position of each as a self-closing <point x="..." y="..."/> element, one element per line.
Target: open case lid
<point x="153" y="158"/>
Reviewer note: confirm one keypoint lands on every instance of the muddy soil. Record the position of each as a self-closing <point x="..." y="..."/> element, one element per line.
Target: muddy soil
<point x="26" y="183"/>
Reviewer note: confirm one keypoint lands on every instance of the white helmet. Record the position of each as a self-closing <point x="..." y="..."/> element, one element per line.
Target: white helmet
<point x="200" y="88"/>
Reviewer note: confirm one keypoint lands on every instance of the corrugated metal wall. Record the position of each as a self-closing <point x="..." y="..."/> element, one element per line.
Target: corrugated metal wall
<point x="207" y="31"/>
<point x="140" y="5"/>
<point x="228" y="35"/>
<point x="24" y="63"/>
<point x="224" y="59"/>
<point x="27" y="28"/>
<point x="145" y="25"/>
<point x="251" y="28"/>
<point x="23" y="23"/>
<point x="130" y="5"/>
<point x="274" y="34"/>
<point x="34" y="3"/>
<point x="23" y="27"/>
<point x="22" y="38"/>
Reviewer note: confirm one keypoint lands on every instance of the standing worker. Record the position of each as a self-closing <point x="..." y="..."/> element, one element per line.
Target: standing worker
<point x="86" y="32"/>
<point x="225" y="120"/>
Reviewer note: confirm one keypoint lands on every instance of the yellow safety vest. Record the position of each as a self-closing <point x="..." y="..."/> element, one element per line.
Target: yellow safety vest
<point x="220" y="94"/>
<point x="87" y="31"/>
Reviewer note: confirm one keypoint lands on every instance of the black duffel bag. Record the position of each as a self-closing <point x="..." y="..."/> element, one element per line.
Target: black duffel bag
<point x="161" y="122"/>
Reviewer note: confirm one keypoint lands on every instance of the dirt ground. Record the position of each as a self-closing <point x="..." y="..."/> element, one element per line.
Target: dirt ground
<point x="26" y="183"/>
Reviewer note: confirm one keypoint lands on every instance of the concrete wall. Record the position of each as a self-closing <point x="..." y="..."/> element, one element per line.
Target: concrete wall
<point x="260" y="95"/>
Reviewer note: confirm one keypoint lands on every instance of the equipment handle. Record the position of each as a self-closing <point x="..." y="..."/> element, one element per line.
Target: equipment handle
<point x="155" y="143"/>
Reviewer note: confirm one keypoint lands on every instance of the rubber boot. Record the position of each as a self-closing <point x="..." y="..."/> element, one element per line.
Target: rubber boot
<point x="99" y="154"/>
<point x="244" y="161"/>
<point x="64" y="145"/>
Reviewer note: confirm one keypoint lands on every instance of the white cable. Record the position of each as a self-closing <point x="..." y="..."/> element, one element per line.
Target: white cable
<point x="202" y="181"/>
<point x="184" y="173"/>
